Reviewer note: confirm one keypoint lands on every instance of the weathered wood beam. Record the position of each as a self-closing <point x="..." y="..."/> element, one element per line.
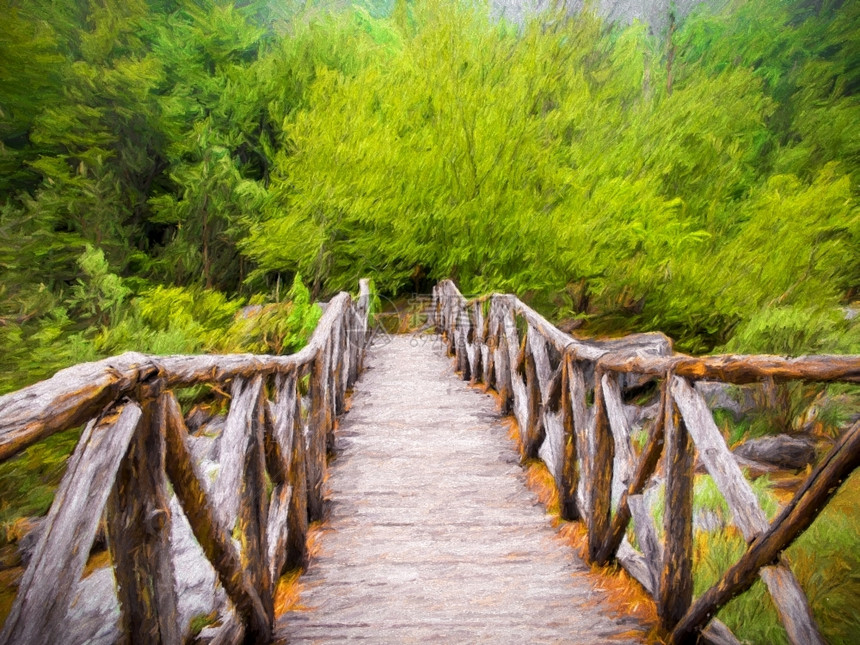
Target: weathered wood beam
<point x="138" y="522"/>
<point x="319" y="423"/>
<point x="794" y="519"/>
<point x="676" y="579"/>
<point x="75" y="395"/>
<point x="70" y="398"/>
<point x="288" y="534"/>
<point x="568" y="508"/>
<point x="740" y="369"/>
<point x="39" y="612"/>
<point x="787" y="594"/>
<point x="534" y="430"/>
<point x="519" y="395"/>
<point x="599" y="483"/>
<point x="624" y="460"/>
<point x="645" y="468"/>
<point x="212" y="536"/>
<point x="582" y="421"/>
<point x="253" y="515"/>
<point x="234" y="442"/>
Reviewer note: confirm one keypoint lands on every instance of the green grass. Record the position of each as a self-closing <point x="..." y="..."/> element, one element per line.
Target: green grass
<point x="28" y="480"/>
<point x="825" y="559"/>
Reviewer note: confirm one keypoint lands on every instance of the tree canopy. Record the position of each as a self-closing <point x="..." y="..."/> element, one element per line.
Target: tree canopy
<point x="702" y="181"/>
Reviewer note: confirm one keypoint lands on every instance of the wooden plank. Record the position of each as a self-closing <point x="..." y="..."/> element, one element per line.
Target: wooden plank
<point x="138" y="523"/>
<point x="599" y="484"/>
<point x="502" y="366"/>
<point x="76" y="394"/>
<point x="676" y="579"/>
<point x="277" y="446"/>
<point x="583" y="429"/>
<point x="204" y="520"/>
<point x="787" y="594"/>
<point x="39" y="612"/>
<point x="463" y="347"/>
<point x="331" y="392"/>
<point x="651" y="344"/>
<point x="537" y="347"/>
<point x="338" y="362"/>
<point x="645" y="468"/>
<point x="649" y="543"/>
<point x="70" y="398"/>
<point x="636" y="565"/>
<point x="792" y="521"/>
<point x="277" y="533"/>
<point x="485" y="340"/>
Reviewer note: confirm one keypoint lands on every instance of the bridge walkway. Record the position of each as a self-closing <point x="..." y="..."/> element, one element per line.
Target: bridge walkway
<point x="431" y="533"/>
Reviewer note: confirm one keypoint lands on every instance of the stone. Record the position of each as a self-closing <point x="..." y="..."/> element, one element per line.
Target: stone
<point x="780" y="450"/>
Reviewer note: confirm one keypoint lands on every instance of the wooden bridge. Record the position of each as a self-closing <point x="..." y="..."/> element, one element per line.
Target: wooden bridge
<point x="430" y="532"/>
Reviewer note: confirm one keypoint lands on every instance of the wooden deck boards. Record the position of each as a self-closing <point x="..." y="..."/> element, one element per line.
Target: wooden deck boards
<point x="431" y="533"/>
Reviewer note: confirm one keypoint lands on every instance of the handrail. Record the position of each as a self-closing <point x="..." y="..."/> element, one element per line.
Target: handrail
<point x="136" y="442"/>
<point x="544" y="379"/>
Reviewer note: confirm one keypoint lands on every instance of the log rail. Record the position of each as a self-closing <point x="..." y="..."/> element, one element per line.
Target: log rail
<point x="546" y="379"/>
<point x="250" y="522"/>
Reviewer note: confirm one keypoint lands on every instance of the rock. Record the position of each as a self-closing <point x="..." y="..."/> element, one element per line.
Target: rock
<point x="737" y="399"/>
<point x="781" y="450"/>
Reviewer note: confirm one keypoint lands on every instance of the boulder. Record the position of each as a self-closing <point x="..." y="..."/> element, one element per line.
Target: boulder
<point x="737" y="399"/>
<point x="780" y="450"/>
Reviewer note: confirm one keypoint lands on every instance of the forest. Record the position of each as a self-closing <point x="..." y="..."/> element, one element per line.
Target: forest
<point x="164" y="163"/>
<point x="182" y="176"/>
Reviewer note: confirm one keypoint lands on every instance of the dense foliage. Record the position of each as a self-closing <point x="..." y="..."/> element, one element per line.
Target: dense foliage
<point x="702" y="182"/>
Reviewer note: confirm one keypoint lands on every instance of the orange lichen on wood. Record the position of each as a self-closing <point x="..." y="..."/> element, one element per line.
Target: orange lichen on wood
<point x="625" y="596"/>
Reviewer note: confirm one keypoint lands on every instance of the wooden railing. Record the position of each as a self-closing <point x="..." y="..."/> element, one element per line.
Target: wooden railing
<point x="545" y="378"/>
<point x="136" y="443"/>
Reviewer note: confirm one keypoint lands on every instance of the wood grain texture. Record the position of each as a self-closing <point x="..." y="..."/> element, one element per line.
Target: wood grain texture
<point x="676" y="578"/>
<point x="569" y="476"/>
<point x="431" y="533"/>
<point x="206" y="524"/>
<point x="139" y="523"/>
<point x="740" y="369"/>
<point x="75" y="395"/>
<point x="788" y="596"/>
<point x="644" y="469"/>
<point x="601" y="455"/>
<point x="795" y="518"/>
<point x="39" y="612"/>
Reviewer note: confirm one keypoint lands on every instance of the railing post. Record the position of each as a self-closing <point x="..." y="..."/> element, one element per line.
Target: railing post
<point x="601" y="455"/>
<point x="49" y="581"/>
<point x="319" y="421"/>
<point x="569" y="476"/>
<point x="647" y="463"/>
<point x="212" y="535"/>
<point x="533" y="435"/>
<point x="676" y="579"/>
<point x="139" y="534"/>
